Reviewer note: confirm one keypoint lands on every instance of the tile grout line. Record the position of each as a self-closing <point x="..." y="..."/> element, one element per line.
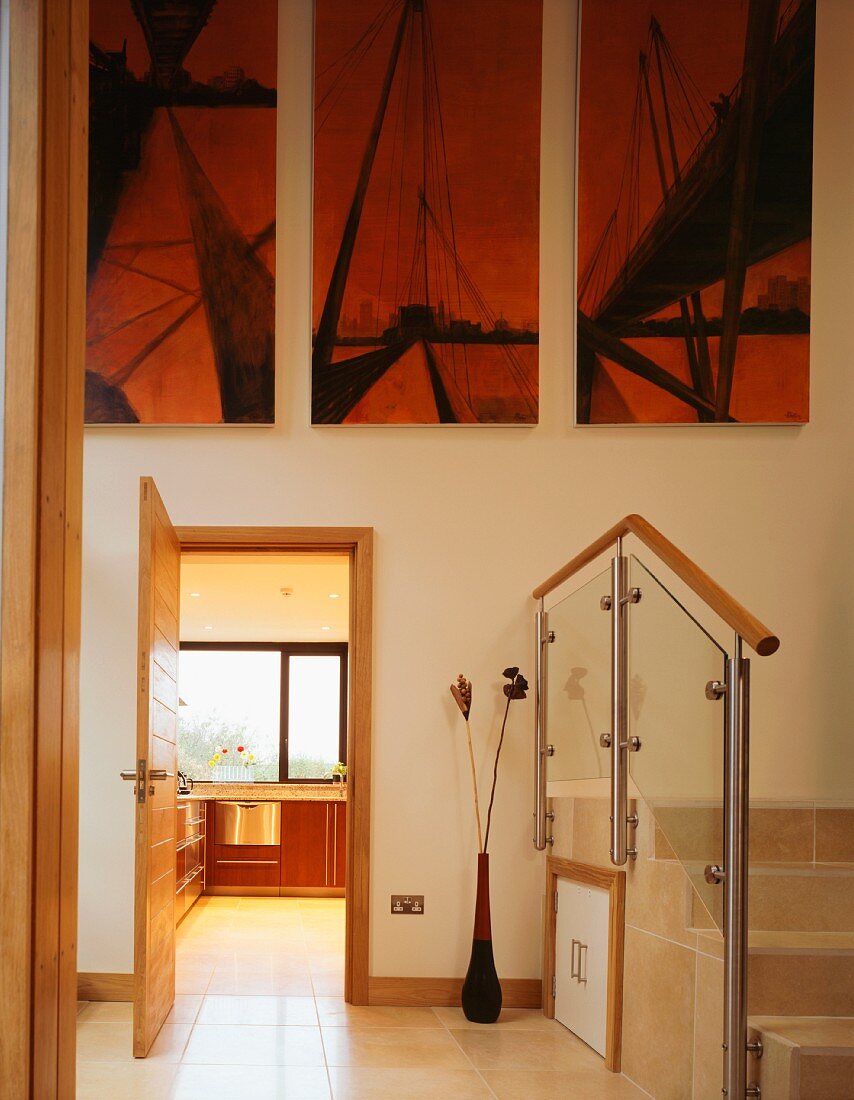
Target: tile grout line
<point x="465" y="1055"/>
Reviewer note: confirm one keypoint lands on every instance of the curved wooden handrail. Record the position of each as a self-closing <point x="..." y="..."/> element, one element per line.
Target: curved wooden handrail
<point x="755" y="633"/>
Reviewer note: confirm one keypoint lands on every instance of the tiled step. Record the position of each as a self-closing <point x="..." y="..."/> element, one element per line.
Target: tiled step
<point x="805" y="1057"/>
<point x="796" y="973"/>
<point x="784" y="897"/>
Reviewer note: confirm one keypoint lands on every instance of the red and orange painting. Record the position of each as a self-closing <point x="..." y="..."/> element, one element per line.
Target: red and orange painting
<point x="426" y="211"/>
<point x="695" y="124"/>
<point x="182" y="198"/>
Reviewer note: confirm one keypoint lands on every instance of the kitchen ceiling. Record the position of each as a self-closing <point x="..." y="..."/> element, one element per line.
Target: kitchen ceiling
<point x="238" y="597"/>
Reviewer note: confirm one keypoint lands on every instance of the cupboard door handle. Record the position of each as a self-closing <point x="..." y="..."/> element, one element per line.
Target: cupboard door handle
<point x="335" y="848"/>
<point x="582" y="975"/>
<point x="573" y="973"/>
<point x="326" y="850"/>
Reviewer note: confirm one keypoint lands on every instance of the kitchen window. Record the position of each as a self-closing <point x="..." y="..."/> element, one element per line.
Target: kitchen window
<point x="286" y="703"/>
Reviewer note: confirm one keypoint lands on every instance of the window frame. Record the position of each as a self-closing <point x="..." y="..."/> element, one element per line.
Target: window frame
<point x="288" y="650"/>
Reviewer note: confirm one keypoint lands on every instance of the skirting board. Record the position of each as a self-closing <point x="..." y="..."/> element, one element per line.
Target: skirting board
<point x="445" y="992"/>
<point x="104" y="987"/>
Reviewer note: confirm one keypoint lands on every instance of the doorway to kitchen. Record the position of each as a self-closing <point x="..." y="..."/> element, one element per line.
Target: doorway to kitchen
<point x="262" y="732"/>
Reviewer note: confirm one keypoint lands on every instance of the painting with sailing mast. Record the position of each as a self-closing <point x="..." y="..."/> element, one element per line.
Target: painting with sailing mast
<point x="695" y="126"/>
<point x="426" y="215"/>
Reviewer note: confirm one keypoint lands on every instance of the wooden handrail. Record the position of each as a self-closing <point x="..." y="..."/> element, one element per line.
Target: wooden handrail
<point x="755" y="633"/>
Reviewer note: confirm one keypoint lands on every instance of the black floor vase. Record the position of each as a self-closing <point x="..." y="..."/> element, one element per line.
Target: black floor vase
<point x="482" y="990"/>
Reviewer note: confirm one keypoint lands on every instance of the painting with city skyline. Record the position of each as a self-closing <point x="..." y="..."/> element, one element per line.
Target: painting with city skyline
<point x="182" y="212"/>
<point x="426" y="212"/>
<point x="694" y="216"/>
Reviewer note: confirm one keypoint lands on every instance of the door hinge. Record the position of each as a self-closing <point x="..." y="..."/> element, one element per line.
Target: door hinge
<point x="554" y="986"/>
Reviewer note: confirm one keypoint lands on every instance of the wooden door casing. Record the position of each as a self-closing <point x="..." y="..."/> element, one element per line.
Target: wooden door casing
<point x="157" y="720"/>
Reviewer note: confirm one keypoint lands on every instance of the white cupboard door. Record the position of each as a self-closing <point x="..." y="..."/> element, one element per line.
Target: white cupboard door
<point x="581" y="961"/>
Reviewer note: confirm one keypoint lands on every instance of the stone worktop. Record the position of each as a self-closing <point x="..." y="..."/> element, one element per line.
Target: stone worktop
<point x="267" y="792"/>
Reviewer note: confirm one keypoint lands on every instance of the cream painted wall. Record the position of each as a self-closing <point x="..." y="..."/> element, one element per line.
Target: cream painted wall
<point x="467" y="521"/>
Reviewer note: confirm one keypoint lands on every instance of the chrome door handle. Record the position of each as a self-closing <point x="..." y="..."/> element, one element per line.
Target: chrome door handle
<point x="582" y="977"/>
<point x="573" y="973"/>
<point x="129" y="775"/>
<point x="159" y="773"/>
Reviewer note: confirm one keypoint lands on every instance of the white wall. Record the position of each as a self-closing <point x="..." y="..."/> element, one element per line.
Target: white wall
<point x="467" y="521"/>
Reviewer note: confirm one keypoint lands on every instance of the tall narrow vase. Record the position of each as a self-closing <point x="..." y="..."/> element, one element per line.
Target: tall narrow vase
<point x="481" y="990"/>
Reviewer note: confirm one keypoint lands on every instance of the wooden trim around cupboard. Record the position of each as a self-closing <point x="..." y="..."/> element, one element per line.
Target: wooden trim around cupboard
<point x="615" y="883"/>
<point x="104" y="987"/>
<point x="445" y="992"/>
<point x="45" y="309"/>
<point x="358" y="543"/>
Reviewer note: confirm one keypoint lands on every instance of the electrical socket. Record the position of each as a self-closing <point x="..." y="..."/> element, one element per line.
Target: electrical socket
<point x="407" y="903"/>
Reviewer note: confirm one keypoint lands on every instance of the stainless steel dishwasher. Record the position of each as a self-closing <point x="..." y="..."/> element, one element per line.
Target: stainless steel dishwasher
<point x="249" y="823"/>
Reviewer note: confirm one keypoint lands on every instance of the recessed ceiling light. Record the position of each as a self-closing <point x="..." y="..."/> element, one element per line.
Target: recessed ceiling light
<point x="195" y="595"/>
<point x="335" y="595"/>
<point x="208" y="628"/>
<point x="326" y="628"/>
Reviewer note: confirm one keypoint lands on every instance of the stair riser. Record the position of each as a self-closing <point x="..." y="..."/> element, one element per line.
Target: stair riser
<point x="801" y="985"/>
<point x="793" y="903"/>
<point x="826" y="1076"/>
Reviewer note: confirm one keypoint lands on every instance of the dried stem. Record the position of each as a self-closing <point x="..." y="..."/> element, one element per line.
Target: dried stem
<point x="474" y="785"/>
<point x="495" y="770"/>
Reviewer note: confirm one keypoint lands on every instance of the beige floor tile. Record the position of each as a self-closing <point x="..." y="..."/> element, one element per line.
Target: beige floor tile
<point x="511" y="1019"/>
<point x="112" y="1041"/>
<point x="327" y="985"/>
<point x="492" y="1050"/>
<point x="257" y="1082"/>
<point x="139" y="1080"/>
<point x="190" y="980"/>
<point x="580" y="1084"/>
<point x="352" y="1083"/>
<point x="392" y="1048"/>
<point x="186" y="1008"/>
<point x="106" y="1010"/>
<point x="335" y="1012"/>
<point x="224" y="1044"/>
<point x="261" y="985"/>
<point x="258" y="1010"/>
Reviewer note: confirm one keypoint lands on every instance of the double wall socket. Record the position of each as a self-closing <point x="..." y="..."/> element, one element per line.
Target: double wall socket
<point x="407" y="903"/>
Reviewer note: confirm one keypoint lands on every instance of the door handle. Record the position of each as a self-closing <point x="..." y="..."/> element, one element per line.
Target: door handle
<point x="573" y="973"/>
<point x="159" y="773"/>
<point x="582" y="975"/>
<point x="129" y="775"/>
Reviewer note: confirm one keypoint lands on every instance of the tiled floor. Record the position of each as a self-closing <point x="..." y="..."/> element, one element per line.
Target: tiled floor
<point x="259" y="1013"/>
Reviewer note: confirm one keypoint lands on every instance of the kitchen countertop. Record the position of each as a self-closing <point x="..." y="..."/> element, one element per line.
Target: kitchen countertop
<point x="267" y="792"/>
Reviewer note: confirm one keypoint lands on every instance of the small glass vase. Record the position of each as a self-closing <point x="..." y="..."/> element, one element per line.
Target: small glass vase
<point x="481" y="996"/>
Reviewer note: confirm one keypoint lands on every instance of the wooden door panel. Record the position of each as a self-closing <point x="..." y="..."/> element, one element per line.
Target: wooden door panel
<point x="157" y="704"/>
<point x="165" y="653"/>
<point x="305" y="844"/>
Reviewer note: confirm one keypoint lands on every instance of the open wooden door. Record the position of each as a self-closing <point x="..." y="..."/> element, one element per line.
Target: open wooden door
<point x="156" y="786"/>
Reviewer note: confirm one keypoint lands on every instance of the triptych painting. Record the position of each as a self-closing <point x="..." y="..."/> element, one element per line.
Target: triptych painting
<point x="694" y="202"/>
<point x="694" y="207"/>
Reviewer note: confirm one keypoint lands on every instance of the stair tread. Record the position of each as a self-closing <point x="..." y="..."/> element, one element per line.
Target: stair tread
<point x="811" y="1034"/>
<point x="807" y="870"/>
<point x="795" y="943"/>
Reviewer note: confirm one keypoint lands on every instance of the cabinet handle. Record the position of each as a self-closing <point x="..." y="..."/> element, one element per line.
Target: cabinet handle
<point x="573" y="973"/>
<point x="247" y="862"/>
<point x="582" y="974"/>
<point x="335" y="849"/>
<point x="326" y="850"/>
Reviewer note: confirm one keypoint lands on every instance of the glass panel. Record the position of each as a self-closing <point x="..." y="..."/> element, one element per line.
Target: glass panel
<point x="679" y="769"/>
<point x="229" y="698"/>
<point x="579" y="683"/>
<point x="314" y="715"/>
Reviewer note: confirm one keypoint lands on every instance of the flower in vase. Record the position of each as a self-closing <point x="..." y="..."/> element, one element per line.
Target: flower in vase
<point x="251" y="758"/>
<point x="216" y="757"/>
<point x="240" y="748"/>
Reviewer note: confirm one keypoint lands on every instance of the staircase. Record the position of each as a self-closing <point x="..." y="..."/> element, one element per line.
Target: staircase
<point x="801" y="942"/>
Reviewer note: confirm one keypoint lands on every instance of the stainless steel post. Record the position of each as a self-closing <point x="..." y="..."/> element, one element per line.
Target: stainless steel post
<point x="619" y="710"/>
<point x="542" y="625"/>
<point x="736" y="764"/>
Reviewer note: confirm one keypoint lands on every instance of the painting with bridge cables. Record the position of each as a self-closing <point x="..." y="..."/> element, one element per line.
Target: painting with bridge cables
<point x="182" y="193"/>
<point x="426" y="212"/>
<point x="695" y="130"/>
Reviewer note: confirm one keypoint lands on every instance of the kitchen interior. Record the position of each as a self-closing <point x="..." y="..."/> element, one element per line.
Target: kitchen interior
<point x="262" y="796"/>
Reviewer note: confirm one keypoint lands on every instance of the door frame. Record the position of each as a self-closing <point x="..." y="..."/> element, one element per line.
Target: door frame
<point x="42" y="518"/>
<point x="357" y="543"/>
<point x="614" y="881"/>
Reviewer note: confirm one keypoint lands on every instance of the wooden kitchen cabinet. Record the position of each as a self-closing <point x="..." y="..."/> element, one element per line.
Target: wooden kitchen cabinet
<point x="190" y="835"/>
<point x="235" y="867"/>
<point x="313" y="844"/>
